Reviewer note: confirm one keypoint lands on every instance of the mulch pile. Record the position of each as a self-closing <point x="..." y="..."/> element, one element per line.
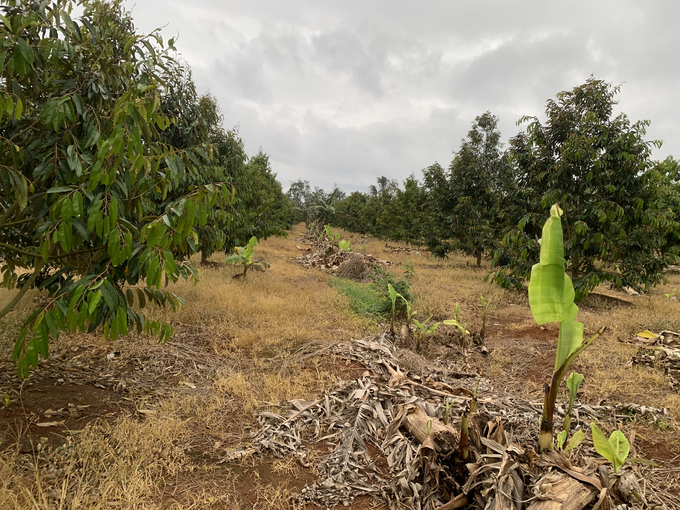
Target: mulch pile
<point x="659" y="350"/>
<point x="397" y="436"/>
<point x="403" y="249"/>
<point x="322" y="253"/>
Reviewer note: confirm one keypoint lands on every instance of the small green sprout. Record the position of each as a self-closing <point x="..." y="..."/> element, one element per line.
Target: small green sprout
<point x="423" y="329"/>
<point x="573" y="383"/>
<point x="473" y="402"/>
<point x="615" y="449"/>
<point x="573" y="442"/>
<point x="334" y="237"/>
<point x="447" y="410"/>
<point x="464" y="444"/>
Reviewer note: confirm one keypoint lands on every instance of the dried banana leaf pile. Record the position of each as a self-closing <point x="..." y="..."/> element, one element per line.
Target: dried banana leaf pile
<point x="659" y="350"/>
<point x="398" y="436"/>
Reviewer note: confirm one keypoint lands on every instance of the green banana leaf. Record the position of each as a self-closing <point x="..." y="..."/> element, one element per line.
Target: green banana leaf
<point x="551" y="293"/>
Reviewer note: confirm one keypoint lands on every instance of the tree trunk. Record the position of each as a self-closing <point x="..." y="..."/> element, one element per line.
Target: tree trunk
<point x="479" y="257"/>
<point x="575" y="267"/>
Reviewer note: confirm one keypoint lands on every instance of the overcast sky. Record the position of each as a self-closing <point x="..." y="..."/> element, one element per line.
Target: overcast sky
<point x="346" y="91"/>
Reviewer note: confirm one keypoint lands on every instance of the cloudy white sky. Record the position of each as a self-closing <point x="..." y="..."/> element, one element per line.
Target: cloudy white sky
<point x="346" y="91"/>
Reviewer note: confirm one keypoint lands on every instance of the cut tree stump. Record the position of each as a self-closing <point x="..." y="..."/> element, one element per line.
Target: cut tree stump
<point x="419" y="424"/>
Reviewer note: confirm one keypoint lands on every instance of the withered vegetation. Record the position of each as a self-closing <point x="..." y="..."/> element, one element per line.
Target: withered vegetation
<point x="272" y="386"/>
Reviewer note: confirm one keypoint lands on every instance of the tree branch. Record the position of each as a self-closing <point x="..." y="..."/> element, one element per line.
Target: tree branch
<point x="7" y="213"/>
<point x="19" y="250"/>
<point x="29" y="283"/>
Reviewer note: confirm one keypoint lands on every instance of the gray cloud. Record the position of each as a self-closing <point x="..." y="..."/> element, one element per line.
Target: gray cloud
<point x="348" y="91"/>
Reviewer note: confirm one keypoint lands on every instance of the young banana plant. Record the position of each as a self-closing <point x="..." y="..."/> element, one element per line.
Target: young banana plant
<point x="551" y="297"/>
<point x="244" y="255"/>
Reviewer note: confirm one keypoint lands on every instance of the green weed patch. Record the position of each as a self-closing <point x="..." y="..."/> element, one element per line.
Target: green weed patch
<point x="363" y="298"/>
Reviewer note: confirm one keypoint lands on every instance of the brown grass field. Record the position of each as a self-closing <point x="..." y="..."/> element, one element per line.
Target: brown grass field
<point x="137" y="425"/>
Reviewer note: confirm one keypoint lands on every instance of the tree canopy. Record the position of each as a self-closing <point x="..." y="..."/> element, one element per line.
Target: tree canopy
<point x="621" y="209"/>
<point x="596" y="166"/>
<point x="112" y="170"/>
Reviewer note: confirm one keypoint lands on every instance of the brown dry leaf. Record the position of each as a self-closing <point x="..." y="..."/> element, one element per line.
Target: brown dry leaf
<point x="50" y="423"/>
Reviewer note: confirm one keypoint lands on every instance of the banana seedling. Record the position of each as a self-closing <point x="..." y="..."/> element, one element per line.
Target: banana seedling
<point x="615" y="449"/>
<point x="551" y="298"/>
<point x="573" y="442"/>
<point x="423" y="329"/>
<point x="244" y="255"/>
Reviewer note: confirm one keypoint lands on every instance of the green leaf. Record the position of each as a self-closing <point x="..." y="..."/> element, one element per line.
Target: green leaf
<point x="141" y="298"/>
<point x="19" y="109"/>
<point x="561" y="438"/>
<point x="25" y="50"/>
<point x="66" y="210"/>
<point x="393" y="294"/>
<point x="620" y="447"/>
<point x="42" y="341"/>
<point x="574" y="382"/>
<point x="454" y="322"/>
<point x="114" y="247"/>
<point x="574" y="441"/>
<point x="93" y="301"/>
<point x="570" y="338"/>
<point x="170" y="266"/>
<point x="52" y="323"/>
<point x="601" y="443"/>
<point x="77" y="200"/>
<point x="551" y="293"/>
<point x="108" y="298"/>
<point x="32" y="353"/>
<point x="153" y="276"/>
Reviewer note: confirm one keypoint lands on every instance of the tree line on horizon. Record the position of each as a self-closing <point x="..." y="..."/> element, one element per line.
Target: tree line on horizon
<point x="621" y="208"/>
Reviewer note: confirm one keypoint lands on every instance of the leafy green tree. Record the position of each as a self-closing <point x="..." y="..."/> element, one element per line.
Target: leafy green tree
<point x="85" y="174"/>
<point x="350" y="213"/>
<point x="466" y="206"/>
<point x="259" y="206"/>
<point x="409" y="210"/>
<point x="300" y="194"/>
<point x="197" y="120"/>
<point x="596" y="166"/>
<point x="437" y="229"/>
<point x="666" y="178"/>
<point x="263" y="206"/>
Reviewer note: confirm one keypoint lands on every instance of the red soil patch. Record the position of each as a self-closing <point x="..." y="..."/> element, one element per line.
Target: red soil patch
<point x="536" y="333"/>
<point x="48" y="409"/>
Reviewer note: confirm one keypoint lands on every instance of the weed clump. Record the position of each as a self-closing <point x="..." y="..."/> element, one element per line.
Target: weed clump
<point x="380" y="282"/>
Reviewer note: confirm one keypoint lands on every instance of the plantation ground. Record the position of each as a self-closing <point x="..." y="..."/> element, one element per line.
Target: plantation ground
<point x="134" y="424"/>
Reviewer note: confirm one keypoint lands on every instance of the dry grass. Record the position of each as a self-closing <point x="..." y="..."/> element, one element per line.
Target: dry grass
<point x="267" y="313"/>
<point x="251" y="333"/>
